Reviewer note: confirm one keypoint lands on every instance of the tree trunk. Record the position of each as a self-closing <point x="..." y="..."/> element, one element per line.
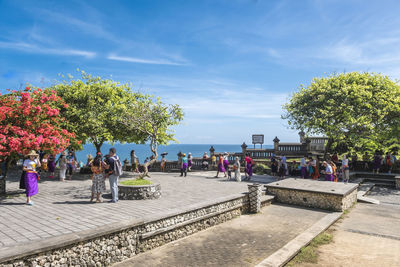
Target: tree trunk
<point x="3" y="181"/>
<point x="153" y="147"/>
<point x="98" y="146"/>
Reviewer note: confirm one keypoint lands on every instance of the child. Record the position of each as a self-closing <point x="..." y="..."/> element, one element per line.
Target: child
<point x="229" y="173"/>
<point x="214" y="160"/>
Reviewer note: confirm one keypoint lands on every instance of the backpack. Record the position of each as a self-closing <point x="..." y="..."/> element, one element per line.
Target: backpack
<point x="117" y="166"/>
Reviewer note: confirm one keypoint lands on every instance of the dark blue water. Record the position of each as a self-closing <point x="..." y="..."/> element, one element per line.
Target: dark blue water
<point x="143" y="151"/>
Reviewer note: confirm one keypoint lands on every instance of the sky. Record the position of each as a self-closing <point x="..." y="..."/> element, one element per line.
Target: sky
<point x="230" y="64"/>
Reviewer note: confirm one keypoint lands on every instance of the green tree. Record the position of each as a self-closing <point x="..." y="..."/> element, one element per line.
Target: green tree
<point x="152" y="118"/>
<point x="359" y="110"/>
<point x="95" y="109"/>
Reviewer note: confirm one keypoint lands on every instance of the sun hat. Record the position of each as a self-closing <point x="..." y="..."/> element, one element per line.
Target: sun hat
<point x="32" y="153"/>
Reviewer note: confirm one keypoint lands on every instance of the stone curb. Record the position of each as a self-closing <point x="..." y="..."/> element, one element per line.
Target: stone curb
<point x="287" y="252"/>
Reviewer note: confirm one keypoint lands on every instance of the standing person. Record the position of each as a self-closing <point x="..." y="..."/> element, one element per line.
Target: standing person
<point x="345" y="169"/>
<point x="377" y="162"/>
<point x="62" y="161"/>
<point x="51" y="165"/>
<point x="190" y="161"/>
<point x="44" y="163"/>
<point x="184" y="164"/>
<point x="226" y="162"/>
<point x="163" y="162"/>
<point x="70" y="165"/>
<point x="31" y="176"/>
<point x="388" y="162"/>
<point x="134" y="161"/>
<point x="328" y="171"/>
<point x="334" y="173"/>
<point x="274" y="168"/>
<point x="114" y="171"/>
<point x="98" y="178"/>
<point x="366" y="160"/>
<point x="204" y="164"/>
<point x="89" y="160"/>
<point x="213" y="160"/>
<point x="220" y="167"/>
<point x="236" y="168"/>
<point x="315" y="164"/>
<point x="285" y="163"/>
<point x="249" y="167"/>
<point x="303" y="164"/>
<point x="281" y="169"/>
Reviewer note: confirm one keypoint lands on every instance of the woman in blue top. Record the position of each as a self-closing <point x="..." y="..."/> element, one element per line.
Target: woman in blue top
<point x="184" y="165"/>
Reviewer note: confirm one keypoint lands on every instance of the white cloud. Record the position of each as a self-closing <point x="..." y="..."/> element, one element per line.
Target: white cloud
<point x="31" y="48"/>
<point x="144" y="61"/>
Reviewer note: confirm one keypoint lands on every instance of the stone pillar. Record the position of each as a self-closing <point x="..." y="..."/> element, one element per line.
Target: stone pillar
<point x="276" y="144"/>
<point x="397" y="178"/>
<point x="308" y="143"/>
<point x="302" y="135"/>
<point x="255" y="197"/>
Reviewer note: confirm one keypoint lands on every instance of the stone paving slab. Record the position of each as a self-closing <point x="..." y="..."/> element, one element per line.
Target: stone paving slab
<point x="63" y="208"/>
<point x="244" y="241"/>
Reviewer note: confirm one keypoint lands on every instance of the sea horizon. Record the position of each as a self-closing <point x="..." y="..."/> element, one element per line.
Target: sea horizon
<point x="143" y="150"/>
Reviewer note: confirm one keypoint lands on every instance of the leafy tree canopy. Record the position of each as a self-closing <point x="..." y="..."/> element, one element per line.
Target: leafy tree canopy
<point x="95" y="109"/>
<point x="153" y="118"/>
<point x="359" y="110"/>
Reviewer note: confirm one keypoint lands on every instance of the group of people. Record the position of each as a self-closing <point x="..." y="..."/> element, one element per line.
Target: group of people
<point x="109" y="167"/>
<point x="222" y="164"/>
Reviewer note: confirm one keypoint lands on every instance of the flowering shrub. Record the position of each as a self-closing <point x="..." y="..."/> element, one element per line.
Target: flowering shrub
<point x="31" y="120"/>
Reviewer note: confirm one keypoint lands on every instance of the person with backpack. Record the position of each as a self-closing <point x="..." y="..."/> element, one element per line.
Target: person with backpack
<point x="115" y="171"/>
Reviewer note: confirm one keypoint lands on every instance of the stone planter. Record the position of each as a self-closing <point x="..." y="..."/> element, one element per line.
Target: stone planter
<point x="133" y="192"/>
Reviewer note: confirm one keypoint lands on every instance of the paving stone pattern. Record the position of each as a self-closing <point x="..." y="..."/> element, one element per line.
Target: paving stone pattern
<point x="64" y="207"/>
<point x="244" y="241"/>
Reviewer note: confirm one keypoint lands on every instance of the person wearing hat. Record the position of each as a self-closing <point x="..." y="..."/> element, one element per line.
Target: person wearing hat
<point x="190" y="159"/>
<point x="226" y="162"/>
<point x="31" y="176"/>
<point x="184" y="165"/>
<point x="204" y="164"/>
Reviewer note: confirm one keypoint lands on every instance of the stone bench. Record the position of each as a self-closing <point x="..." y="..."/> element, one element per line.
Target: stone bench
<point x="314" y="194"/>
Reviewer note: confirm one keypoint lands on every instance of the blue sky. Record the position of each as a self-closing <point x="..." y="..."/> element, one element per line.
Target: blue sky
<point x="230" y="64"/>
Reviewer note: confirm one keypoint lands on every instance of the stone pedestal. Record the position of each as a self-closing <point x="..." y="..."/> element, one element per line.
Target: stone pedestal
<point x="255" y="197"/>
<point x="130" y="192"/>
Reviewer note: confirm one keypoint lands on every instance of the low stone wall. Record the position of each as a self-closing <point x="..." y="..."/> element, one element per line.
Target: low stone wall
<point x="314" y="199"/>
<point x="117" y="242"/>
<point x="129" y="192"/>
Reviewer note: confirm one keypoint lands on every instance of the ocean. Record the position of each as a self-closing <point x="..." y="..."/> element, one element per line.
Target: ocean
<point x="143" y="151"/>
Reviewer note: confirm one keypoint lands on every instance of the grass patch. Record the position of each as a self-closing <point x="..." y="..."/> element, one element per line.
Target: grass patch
<point x="136" y="182"/>
<point x="309" y="253"/>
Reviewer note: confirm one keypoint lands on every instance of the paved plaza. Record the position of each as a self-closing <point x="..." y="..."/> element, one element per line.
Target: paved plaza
<point x="64" y="208"/>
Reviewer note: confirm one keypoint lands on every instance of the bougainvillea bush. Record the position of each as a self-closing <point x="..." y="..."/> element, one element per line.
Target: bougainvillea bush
<point x="31" y="120"/>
